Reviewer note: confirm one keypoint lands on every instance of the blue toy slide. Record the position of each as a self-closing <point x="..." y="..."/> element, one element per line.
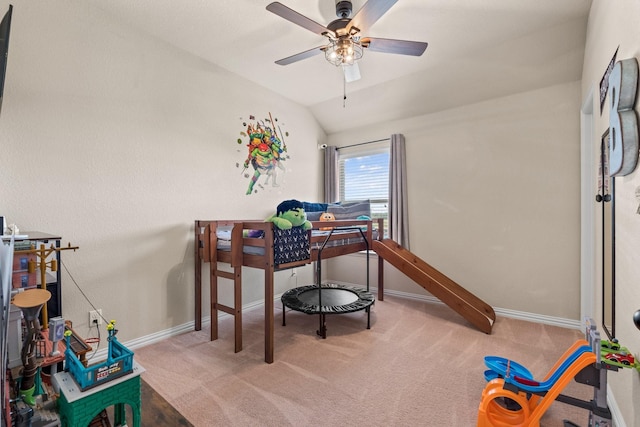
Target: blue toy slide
<point x="518" y="375"/>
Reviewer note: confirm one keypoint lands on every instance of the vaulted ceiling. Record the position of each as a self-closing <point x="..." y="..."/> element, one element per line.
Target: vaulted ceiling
<point x="478" y="50"/>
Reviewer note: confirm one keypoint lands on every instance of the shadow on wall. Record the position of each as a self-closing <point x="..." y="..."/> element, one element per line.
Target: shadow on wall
<point x="178" y="285"/>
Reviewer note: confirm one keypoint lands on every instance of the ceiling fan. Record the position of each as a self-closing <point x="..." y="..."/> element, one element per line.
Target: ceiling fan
<point x="345" y="44"/>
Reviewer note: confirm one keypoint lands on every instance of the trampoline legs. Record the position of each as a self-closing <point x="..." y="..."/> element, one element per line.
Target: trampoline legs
<point x="283" y="311"/>
<point x="322" y="324"/>
<point x="322" y="329"/>
<point x="341" y="300"/>
<point x="368" y="317"/>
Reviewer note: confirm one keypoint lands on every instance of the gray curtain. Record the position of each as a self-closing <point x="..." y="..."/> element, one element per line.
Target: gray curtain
<point x="331" y="174"/>
<point x="398" y="206"/>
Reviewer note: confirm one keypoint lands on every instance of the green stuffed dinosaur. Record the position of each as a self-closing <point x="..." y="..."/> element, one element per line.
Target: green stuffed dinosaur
<point x="289" y="214"/>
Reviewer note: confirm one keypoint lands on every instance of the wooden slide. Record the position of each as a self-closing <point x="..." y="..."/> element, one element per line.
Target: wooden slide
<point x="442" y="287"/>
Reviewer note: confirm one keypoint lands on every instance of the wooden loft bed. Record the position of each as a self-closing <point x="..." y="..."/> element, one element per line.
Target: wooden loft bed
<point x="260" y="252"/>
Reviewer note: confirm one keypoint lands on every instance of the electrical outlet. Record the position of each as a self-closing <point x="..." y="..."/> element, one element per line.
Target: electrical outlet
<point x="95" y="317"/>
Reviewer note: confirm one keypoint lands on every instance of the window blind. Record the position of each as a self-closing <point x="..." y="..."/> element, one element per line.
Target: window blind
<point x="364" y="175"/>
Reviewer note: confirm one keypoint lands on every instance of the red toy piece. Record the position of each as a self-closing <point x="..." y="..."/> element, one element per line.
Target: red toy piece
<point x="622" y="358"/>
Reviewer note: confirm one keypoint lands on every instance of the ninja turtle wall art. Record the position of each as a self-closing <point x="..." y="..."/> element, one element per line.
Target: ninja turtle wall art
<point x="263" y="161"/>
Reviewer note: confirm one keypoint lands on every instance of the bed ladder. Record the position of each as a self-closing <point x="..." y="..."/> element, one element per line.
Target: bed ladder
<point x="235" y="276"/>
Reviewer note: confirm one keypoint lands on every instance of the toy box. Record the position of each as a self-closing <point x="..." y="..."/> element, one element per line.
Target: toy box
<point x="119" y="362"/>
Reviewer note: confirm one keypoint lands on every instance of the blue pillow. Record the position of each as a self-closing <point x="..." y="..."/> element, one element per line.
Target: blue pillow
<point x="350" y="210"/>
<point x="313" y="216"/>
<point x="314" y="207"/>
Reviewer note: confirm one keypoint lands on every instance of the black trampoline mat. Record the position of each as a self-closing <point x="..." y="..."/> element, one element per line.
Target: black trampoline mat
<point x="330" y="297"/>
<point x="335" y="299"/>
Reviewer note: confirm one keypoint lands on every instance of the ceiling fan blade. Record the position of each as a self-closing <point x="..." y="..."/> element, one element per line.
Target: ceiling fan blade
<point x="351" y="72"/>
<point x="401" y="47"/>
<point x="298" y="19"/>
<point x="370" y="13"/>
<point x="300" y="56"/>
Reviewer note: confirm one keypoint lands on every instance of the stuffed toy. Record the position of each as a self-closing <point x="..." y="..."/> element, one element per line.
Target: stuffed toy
<point x="327" y="216"/>
<point x="289" y="214"/>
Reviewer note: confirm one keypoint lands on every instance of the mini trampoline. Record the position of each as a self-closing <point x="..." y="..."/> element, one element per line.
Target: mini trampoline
<point x="329" y="298"/>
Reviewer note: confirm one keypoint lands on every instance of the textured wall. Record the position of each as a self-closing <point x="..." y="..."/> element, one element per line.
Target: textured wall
<point x="118" y="142"/>
<point x="494" y="198"/>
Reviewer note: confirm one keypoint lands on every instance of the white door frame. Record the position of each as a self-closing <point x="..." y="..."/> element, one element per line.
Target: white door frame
<point x="587" y="226"/>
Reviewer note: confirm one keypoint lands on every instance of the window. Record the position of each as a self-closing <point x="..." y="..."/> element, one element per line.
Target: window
<point x="364" y="174"/>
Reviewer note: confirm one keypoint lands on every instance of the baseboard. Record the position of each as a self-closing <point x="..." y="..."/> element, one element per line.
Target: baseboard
<point x="176" y="330"/>
<point x="189" y="326"/>
<point x="513" y="314"/>
<point x="616" y="416"/>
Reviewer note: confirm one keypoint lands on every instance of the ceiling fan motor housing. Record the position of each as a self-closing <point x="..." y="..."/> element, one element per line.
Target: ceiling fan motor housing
<point x="343" y="8"/>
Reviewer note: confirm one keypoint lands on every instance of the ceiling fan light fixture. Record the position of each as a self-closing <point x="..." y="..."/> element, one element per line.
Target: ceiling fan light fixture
<point x="343" y="51"/>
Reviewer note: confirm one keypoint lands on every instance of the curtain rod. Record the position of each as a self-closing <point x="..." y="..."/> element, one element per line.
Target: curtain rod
<point x="363" y="143"/>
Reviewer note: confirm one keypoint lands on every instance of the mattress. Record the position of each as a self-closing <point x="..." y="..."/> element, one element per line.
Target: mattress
<point x="290" y="245"/>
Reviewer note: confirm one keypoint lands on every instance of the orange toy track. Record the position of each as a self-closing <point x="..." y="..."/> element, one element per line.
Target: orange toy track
<point x="469" y="306"/>
<point x="492" y="414"/>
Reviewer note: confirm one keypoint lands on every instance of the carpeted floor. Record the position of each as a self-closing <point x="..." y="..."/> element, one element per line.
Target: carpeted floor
<point x="419" y="364"/>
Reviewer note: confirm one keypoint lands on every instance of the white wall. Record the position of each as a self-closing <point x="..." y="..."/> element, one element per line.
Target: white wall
<point x="613" y="25"/>
<point x="118" y="142"/>
<point x="494" y="192"/>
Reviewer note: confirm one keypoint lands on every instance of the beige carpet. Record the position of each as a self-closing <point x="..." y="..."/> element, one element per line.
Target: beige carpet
<point x="420" y="364"/>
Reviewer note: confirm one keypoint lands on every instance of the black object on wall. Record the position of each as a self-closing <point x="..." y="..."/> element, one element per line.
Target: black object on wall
<point x="5" y="29"/>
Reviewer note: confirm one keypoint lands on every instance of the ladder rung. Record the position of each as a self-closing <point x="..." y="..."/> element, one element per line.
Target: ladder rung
<point x="227" y="309"/>
<point x="225" y="274"/>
